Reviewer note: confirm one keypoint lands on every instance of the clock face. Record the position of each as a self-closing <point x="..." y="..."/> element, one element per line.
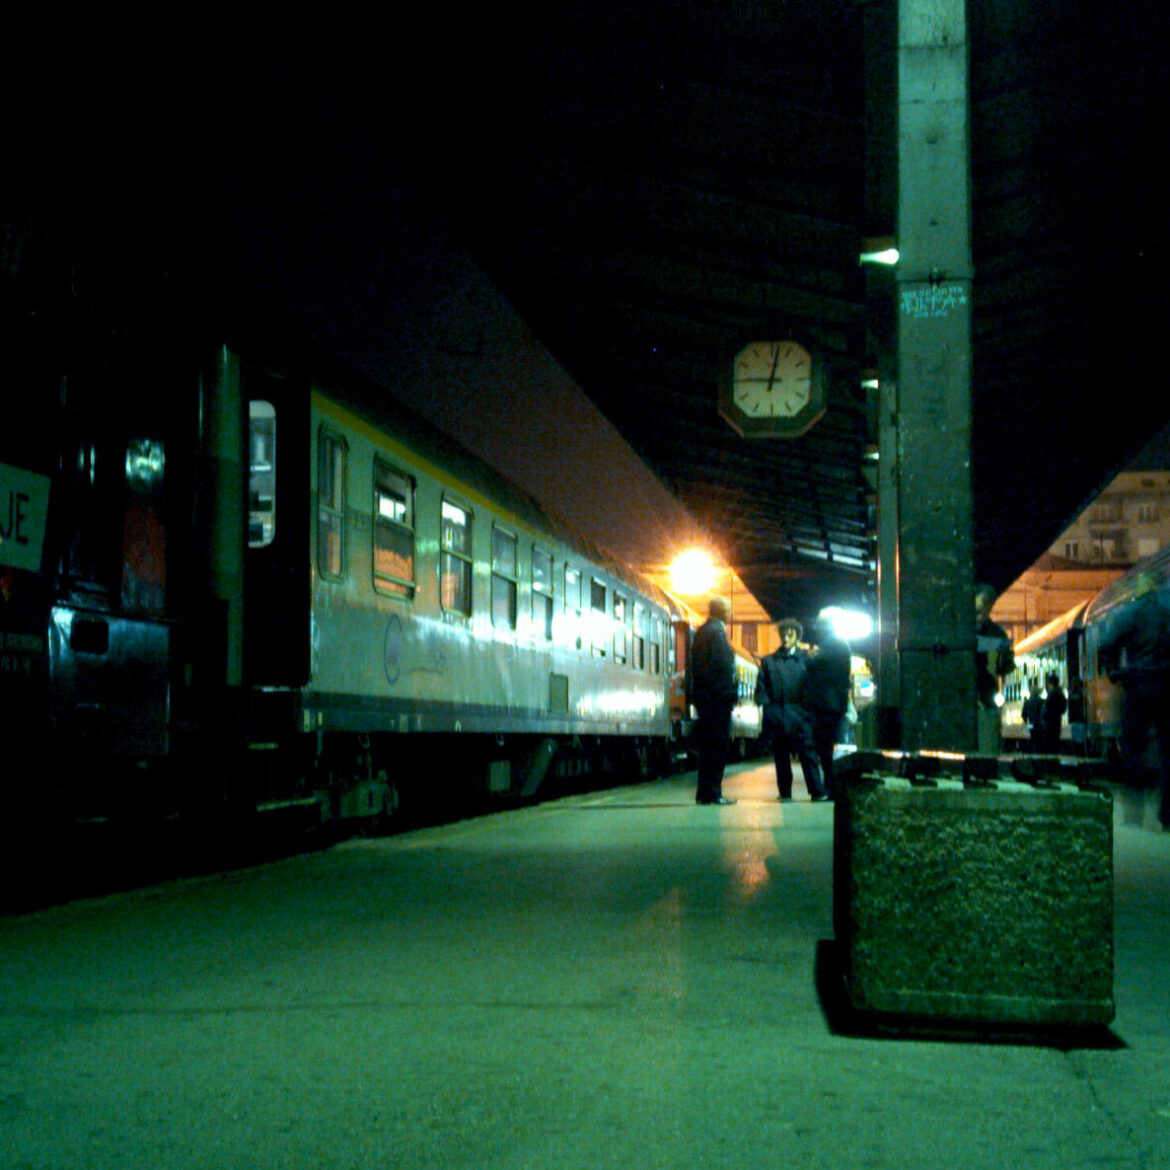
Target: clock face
<point x="772" y="379"/>
<point x="776" y="389"/>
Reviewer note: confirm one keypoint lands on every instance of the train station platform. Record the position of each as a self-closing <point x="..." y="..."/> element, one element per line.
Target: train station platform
<point x="621" y="979"/>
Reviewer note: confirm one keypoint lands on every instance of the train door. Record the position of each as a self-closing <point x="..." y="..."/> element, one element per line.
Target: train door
<point x="680" y="677"/>
<point x="277" y="563"/>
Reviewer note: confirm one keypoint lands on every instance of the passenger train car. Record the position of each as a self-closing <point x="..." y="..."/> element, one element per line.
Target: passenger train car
<point x="263" y="591"/>
<point x="1072" y="646"/>
<point x="1100" y="670"/>
<point x="435" y="599"/>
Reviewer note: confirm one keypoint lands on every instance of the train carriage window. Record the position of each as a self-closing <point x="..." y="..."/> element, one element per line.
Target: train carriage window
<point x="542" y="593"/>
<point x="573" y="604"/>
<point x="620" y="636"/>
<point x="261" y="473"/>
<point x="598" y="605"/>
<point x="455" y="559"/>
<point x="638" y="641"/>
<point x="572" y="589"/>
<point x="656" y="639"/>
<point x="504" y="586"/>
<point x="332" y="456"/>
<point x="393" y="531"/>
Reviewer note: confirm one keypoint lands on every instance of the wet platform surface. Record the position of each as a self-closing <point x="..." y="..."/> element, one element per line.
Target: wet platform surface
<point x="615" y="980"/>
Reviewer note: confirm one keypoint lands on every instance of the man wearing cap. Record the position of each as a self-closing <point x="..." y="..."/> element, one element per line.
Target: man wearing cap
<point x="780" y="691"/>
<point x="713" y="693"/>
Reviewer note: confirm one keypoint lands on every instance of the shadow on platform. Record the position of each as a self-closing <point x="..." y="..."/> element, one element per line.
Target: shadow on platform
<point x="843" y="1019"/>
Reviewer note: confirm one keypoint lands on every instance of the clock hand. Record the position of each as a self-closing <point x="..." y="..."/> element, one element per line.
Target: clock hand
<point x="775" y="363"/>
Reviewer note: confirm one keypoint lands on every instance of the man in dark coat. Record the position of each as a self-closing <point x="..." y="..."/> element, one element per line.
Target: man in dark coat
<point x="780" y="691"/>
<point x="1032" y="713"/>
<point x="713" y="694"/>
<point x="1055" y="705"/>
<point x="1136" y="648"/>
<point x="830" y="676"/>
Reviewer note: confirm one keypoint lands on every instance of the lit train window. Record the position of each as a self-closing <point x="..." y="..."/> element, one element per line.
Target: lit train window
<point x="656" y="647"/>
<point x="572" y="590"/>
<point x="638" y="642"/>
<point x="542" y="593"/>
<point x="393" y="531"/>
<point x="503" y="579"/>
<point x="620" y="607"/>
<point x="332" y="456"/>
<point x="455" y="559"/>
<point x="573" y="605"/>
<point x="261" y="473"/>
<point x="598" y="604"/>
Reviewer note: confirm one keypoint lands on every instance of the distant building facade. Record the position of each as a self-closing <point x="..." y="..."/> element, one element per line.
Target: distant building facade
<point x="1128" y="522"/>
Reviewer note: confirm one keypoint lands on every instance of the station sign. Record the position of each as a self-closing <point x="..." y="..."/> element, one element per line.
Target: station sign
<point x="24" y="510"/>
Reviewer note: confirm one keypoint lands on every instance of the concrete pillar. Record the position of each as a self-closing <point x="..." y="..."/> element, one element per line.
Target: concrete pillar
<point x="933" y="282"/>
<point x="880" y="19"/>
<point x="889" y="696"/>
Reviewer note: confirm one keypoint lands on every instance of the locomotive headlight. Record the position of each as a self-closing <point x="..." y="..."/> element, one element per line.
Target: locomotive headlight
<point x="145" y="462"/>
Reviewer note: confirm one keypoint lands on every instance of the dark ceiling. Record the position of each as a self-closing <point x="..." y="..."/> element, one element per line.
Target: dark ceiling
<point x="653" y="183"/>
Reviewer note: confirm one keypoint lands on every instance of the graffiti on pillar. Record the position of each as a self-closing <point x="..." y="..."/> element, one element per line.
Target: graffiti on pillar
<point x="933" y="300"/>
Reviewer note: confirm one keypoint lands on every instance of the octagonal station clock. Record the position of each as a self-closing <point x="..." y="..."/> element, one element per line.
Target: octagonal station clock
<point x="776" y="390"/>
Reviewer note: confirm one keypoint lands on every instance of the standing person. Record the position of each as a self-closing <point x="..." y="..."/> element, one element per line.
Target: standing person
<point x="713" y="693"/>
<point x="780" y="691"/>
<point x="1138" y="646"/>
<point x="827" y="689"/>
<point x="1055" y="705"/>
<point x="994" y="661"/>
<point x="1032" y="713"/>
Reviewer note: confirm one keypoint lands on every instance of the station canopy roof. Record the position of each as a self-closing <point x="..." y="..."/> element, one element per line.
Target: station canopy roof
<point x="654" y="184"/>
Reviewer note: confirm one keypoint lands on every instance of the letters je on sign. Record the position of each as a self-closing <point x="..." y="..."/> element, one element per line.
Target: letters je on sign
<point x="14" y="517"/>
